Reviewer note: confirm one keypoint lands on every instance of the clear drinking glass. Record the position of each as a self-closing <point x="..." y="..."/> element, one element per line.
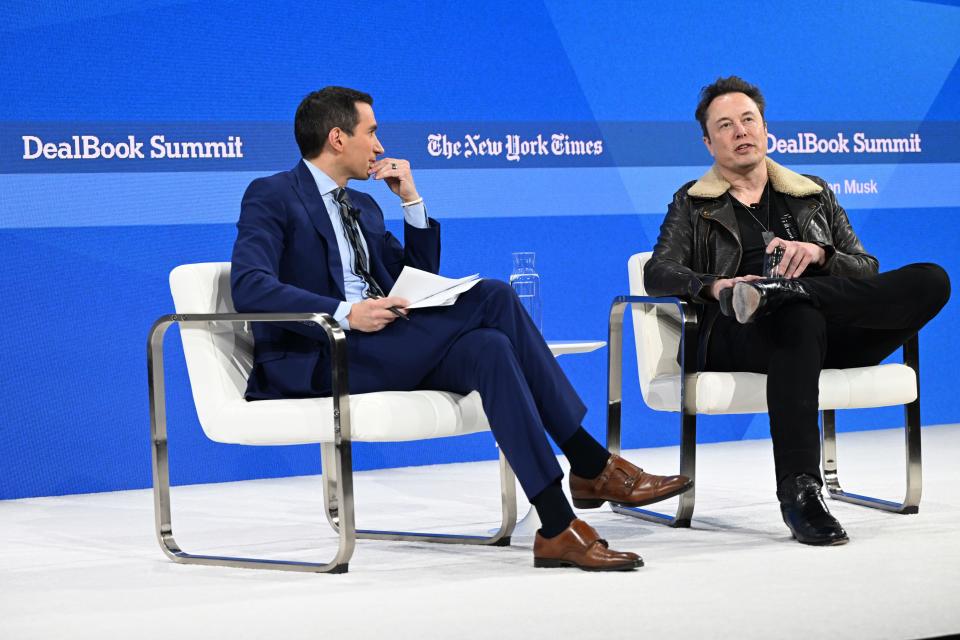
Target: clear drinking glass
<point x="526" y="283"/>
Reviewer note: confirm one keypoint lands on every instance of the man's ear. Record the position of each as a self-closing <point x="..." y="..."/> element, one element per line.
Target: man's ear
<point x="708" y="145"/>
<point x="335" y="139"/>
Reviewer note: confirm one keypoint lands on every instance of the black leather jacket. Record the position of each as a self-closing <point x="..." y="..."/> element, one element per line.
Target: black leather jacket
<point x="700" y="240"/>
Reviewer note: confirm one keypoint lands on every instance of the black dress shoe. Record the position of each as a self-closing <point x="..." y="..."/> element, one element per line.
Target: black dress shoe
<point x="754" y="299"/>
<point x="806" y="514"/>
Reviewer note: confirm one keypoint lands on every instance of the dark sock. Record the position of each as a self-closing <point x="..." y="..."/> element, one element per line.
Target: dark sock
<point x="586" y="456"/>
<point x="555" y="512"/>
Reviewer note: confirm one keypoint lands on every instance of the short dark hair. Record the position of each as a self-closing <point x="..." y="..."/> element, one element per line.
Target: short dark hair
<point x="322" y="111"/>
<point x="732" y="84"/>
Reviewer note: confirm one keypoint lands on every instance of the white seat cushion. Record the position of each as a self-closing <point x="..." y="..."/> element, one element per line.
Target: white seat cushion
<point x="657" y="335"/>
<point x="385" y="416"/>
<point x="720" y="393"/>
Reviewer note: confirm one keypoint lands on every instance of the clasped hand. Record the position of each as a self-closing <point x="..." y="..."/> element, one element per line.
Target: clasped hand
<point x="373" y="314"/>
<point x="797" y="256"/>
<point x="396" y="173"/>
<point x="725" y="283"/>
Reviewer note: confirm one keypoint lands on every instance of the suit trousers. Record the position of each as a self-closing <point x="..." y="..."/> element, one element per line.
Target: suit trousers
<point x="486" y="342"/>
<point x="852" y="322"/>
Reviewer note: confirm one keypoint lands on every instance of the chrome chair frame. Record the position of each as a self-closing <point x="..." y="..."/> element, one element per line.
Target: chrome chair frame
<point x="336" y="459"/>
<point x="688" y="421"/>
<point x="911" y="421"/>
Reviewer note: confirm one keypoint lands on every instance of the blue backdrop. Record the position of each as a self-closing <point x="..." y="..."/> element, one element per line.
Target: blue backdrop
<point x="476" y="96"/>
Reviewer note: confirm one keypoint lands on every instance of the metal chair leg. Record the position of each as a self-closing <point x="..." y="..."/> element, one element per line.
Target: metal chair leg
<point x="331" y="506"/>
<point x="500" y="538"/>
<point x="161" y="483"/>
<point x="688" y="458"/>
<point x="688" y="422"/>
<point x="911" y="500"/>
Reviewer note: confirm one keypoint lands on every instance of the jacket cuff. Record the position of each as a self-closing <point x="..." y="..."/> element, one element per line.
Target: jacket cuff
<point x="829" y="252"/>
<point x="700" y="289"/>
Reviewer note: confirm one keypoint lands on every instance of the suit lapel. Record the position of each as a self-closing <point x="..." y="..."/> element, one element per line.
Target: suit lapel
<point x="306" y="188"/>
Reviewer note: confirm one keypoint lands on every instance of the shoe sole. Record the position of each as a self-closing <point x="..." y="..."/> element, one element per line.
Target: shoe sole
<point x="593" y="503"/>
<point x="746" y="301"/>
<point x="553" y="563"/>
<point x="726" y="302"/>
<point x="827" y="543"/>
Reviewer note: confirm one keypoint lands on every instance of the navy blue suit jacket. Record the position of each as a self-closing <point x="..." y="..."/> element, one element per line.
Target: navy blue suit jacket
<point x="286" y="259"/>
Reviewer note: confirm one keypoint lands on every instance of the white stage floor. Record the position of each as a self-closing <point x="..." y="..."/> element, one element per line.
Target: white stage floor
<point x="88" y="566"/>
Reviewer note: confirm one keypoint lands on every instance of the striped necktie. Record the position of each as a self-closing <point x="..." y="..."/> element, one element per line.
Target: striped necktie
<point x="361" y="267"/>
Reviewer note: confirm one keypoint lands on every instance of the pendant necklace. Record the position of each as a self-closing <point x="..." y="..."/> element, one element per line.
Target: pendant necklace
<point x="767" y="234"/>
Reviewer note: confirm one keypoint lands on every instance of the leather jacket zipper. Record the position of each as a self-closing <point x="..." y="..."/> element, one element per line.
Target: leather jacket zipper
<point x="813" y="214"/>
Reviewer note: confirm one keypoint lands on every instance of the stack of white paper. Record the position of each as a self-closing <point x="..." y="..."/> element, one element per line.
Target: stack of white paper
<point x="425" y="289"/>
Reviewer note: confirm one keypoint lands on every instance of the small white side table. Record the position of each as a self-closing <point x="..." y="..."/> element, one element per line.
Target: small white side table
<point x="563" y="347"/>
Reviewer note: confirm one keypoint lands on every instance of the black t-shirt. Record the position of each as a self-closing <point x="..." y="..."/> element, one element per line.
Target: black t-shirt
<point x="777" y="218"/>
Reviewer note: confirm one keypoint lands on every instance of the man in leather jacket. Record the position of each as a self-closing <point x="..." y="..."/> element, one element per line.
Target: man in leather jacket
<point x="824" y="305"/>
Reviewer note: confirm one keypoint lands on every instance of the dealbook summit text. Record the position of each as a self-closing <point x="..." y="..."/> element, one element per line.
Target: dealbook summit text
<point x="90" y="147"/>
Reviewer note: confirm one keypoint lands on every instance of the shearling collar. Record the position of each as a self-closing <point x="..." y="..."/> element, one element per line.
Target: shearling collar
<point x="783" y="180"/>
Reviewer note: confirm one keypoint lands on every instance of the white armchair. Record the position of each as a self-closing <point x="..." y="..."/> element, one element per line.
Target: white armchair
<point x="665" y="327"/>
<point x="218" y="348"/>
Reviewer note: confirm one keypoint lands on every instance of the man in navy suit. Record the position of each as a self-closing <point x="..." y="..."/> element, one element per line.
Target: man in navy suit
<point x="306" y="243"/>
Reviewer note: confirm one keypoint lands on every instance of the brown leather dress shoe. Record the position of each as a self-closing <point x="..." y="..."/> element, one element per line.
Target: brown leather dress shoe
<point x="624" y="483"/>
<point x="580" y="546"/>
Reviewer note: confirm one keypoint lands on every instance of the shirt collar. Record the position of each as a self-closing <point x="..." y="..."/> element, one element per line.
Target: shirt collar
<point x="325" y="183"/>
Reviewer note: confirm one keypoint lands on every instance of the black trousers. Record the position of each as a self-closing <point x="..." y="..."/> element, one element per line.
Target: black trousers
<point x="853" y="322"/>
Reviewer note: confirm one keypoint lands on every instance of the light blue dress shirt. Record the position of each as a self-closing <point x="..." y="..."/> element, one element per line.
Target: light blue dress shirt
<point x="354" y="286"/>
